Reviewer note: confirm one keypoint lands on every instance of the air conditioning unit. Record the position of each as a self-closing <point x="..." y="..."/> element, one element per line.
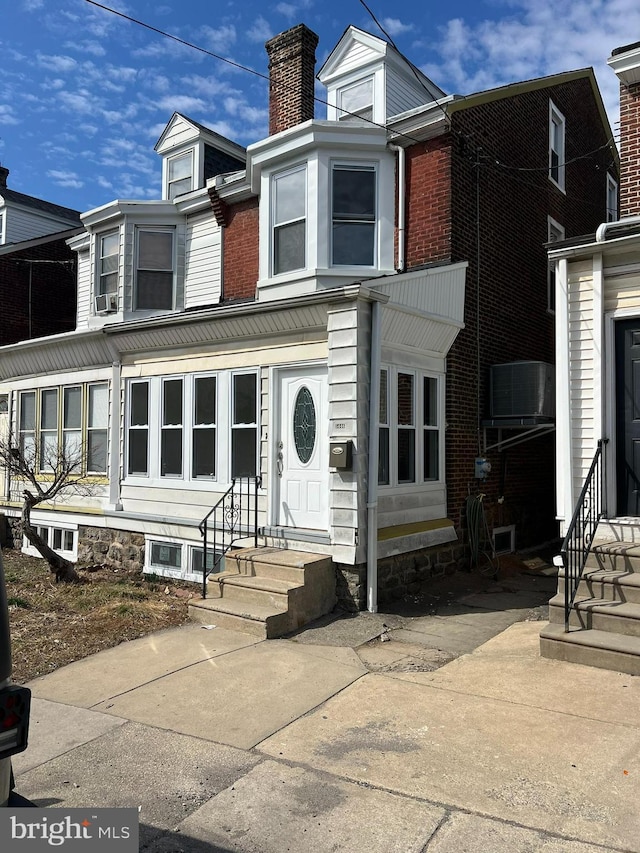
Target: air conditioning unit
<point x="106" y="303"/>
<point x="523" y="389"/>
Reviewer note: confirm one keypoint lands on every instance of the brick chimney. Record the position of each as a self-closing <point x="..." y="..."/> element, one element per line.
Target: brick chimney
<point x="4" y="174"/>
<point x="292" y="61"/>
<point x="625" y="61"/>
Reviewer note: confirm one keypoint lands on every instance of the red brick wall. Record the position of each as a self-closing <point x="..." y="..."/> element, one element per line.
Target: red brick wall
<point x="630" y="150"/>
<point x="53" y="292"/>
<point x="494" y="215"/>
<point x="428" y="201"/>
<point x="240" y="258"/>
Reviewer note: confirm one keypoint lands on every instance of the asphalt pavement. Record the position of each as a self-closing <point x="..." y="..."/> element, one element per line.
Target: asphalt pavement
<point x="432" y="727"/>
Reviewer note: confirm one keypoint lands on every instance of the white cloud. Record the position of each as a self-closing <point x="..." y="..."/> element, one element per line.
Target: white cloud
<point x="93" y="48"/>
<point x="65" y="179"/>
<point x="7" y="116"/>
<point x="83" y="101"/>
<point x="395" y="27"/>
<point x="289" y="10"/>
<point x="218" y="40"/>
<point x="60" y="64"/>
<point x="32" y="5"/>
<point x="261" y="31"/>
<point x="181" y="104"/>
<point x="208" y="87"/>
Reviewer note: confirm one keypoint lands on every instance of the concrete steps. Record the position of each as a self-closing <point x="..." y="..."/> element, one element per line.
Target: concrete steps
<point x="267" y="592"/>
<point x="604" y="623"/>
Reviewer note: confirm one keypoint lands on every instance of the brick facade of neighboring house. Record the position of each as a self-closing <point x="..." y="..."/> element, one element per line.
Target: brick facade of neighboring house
<point x="479" y="194"/>
<point x="240" y="248"/>
<point x="37" y="288"/>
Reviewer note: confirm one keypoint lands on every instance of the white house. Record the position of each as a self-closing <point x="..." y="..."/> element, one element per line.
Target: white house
<point x="23" y="217"/>
<point x="180" y="377"/>
<point x="598" y="344"/>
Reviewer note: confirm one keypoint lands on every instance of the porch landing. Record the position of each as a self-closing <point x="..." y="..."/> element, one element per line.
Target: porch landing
<point x="604" y="624"/>
<point x="267" y="592"/>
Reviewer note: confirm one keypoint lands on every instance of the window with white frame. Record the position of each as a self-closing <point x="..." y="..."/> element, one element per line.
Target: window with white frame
<point x="204" y="427"/>
<point x="557" y="134"/>
<point x="166" y="556"/>
<point x="138" y="429"/>
<point x="171" y="429"/>
<point x="176" y="426"/>
<point x="353" y="218"/>
<point x="244" y="425"/>
<point x="179" y="174"/>
<point x="555" y="233"/>
<point x="109" y="254"/>
<point x="62" y="540"/>
<point x="356" y="101"/>
<point x="154" y="284"/>
<point x="612" y="199"/>
<point x="289" y="220"/>
<point x="409" y="428"/>
<point x="70" y="420"/>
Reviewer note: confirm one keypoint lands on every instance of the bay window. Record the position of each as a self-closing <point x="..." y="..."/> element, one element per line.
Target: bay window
<point x="353" y="224"/>
<point x="289" y="220"/>
<point x="409" y="428"/>
<point x="109" y="248"/>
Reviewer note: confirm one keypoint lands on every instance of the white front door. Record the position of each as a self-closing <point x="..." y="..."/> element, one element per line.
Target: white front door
<point x="302" y="449"/>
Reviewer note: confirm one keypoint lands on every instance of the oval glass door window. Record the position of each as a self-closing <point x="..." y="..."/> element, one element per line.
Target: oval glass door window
<point x="304" y="425"/>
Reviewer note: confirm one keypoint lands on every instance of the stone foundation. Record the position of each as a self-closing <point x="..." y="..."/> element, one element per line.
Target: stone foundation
<point x="117" y="548"/>
<point x="400" y="575"/>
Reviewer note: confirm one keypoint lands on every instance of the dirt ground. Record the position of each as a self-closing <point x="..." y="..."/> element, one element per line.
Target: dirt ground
<point x="54" y="624"/>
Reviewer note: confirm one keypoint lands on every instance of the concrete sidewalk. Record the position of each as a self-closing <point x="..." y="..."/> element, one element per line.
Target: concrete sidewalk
<point x="453" y="735"/>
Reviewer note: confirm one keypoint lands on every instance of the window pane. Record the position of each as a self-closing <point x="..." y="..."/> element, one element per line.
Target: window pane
<point x="72" y="416"/>
<point x="154" y="290"/>
<point x="244" y="398"/>
<point x="72" y="443"/>
<point x="98" y="405"/>
<point x="205" y="406"/>
<point x="289" y="247"/>
<point x="110" y="245"/>
<point x="171" y="453"/>
<point x="179" y="187"/>
<point x="138" y="451"/>
<point x="290" y="196"/>
<point x="48" y="450"/>
<point x="430" y="401"/>
<point x="355" y="98"/>
<point x="180" y="167"/>
<point x="406" y="456"/>
<point x="383" y="456"/>
<point x="110" y="264"/>
<point x="139" y="404"/>
<point x="28" y="411"/>
<point x="354" y="243"/>
<point x="196" y="560"/>
<point x="431" y="454"/>
<point x="68" y="540"/>
<point x="172" y="402"/>
<point x="57" y="539"/>
<point x="155" y="250"/>
<point x="28" y="447"/>
<point x="165" y="554"/>
<point x="405" y="399"/>
<point x="97" y="451"/>
<point x="243" y="453"/>
<point x="384" y="400"/>
<point x="204" y="453"/>
<point x="354" y="193"/>
<point x="49" y="414"/>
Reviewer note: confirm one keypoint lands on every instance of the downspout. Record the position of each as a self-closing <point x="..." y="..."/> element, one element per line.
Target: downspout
<point x="372" y="487"/>
<point x="401" y="211"/>
<point x="114" y="438"/>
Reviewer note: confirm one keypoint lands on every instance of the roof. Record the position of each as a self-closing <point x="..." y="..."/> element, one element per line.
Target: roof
<point x="40" y="205"/>
<point x="34" y="242"/>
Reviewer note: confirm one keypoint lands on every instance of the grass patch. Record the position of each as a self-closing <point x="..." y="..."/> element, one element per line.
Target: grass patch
<point x="55" y="624"/>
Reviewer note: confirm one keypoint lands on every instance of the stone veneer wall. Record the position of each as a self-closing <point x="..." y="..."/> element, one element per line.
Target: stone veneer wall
<point x="119" y="548"/>
<point x="400" y="575"/>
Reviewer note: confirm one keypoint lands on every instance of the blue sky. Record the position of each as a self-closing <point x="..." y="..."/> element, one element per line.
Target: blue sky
<point x="84" y="94"/>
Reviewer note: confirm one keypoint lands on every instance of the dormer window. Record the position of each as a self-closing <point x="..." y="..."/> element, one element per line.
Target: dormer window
<point x="356" y="101"/>
<point x="154" y="271"/>
<point x="289" y="220"/>
<point x="180" y="174"/>
<point x="353" y="215"/>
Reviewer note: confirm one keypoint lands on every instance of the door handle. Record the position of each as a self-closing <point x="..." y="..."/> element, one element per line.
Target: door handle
<point x="279" y="463"/>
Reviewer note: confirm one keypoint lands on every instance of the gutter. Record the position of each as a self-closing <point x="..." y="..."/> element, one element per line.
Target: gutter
<point x="601" y="233"/>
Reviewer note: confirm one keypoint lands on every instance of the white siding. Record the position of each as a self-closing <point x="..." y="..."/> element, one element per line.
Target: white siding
<point x="179" y="133"/>
<point x="581" y="370"/>
<point x="348" y="330"/>
<point x="203" y="262"/>
<point x="402" y="97"/>
<point x="25" y="225"/>
<point x="84" y="288"/>
<point x="356" y="56"/>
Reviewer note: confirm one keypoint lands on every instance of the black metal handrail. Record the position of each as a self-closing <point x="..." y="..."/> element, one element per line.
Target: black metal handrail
<point x="234" y="517"/>
<point x="577" y="543"/>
